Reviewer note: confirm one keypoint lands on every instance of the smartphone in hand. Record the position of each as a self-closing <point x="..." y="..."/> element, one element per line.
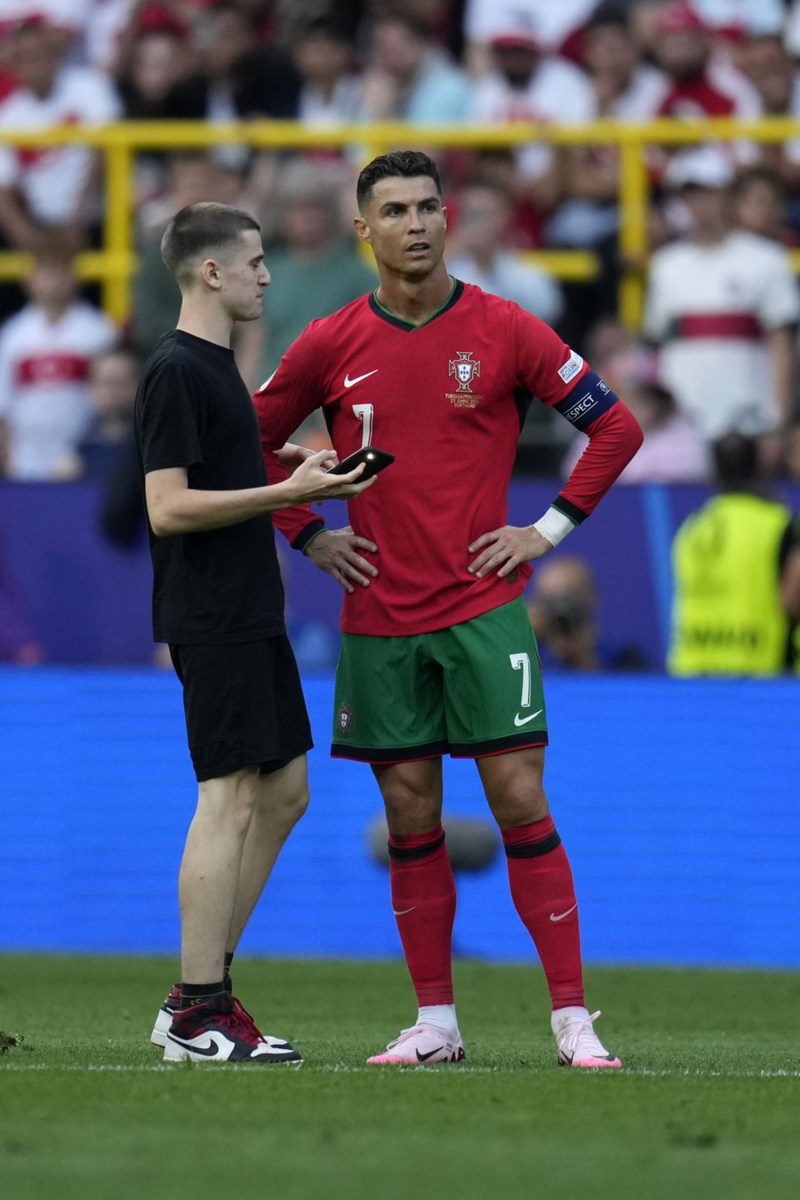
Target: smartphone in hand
<point x="375" y="460"/>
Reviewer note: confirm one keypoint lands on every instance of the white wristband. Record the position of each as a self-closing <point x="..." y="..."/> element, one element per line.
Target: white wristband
<point x="553" y="526"/>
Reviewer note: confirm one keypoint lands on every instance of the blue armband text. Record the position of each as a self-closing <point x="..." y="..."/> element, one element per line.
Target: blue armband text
<point x="586" y="401"/>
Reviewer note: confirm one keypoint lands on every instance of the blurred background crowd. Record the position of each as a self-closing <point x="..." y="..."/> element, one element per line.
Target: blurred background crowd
<point x="716" y="350"/>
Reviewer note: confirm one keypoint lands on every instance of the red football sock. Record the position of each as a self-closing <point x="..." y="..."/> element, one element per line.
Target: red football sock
<point x="544" y="896"/>
<point x="424" y="903"/>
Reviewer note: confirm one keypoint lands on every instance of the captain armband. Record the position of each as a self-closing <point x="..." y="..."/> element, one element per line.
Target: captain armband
<point x="553" y="526"/>
<point x="586" y="402"/>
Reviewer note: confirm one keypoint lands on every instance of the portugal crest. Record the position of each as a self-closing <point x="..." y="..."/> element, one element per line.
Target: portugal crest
<point x="464" y="369"/>
<point x="344" y="719"/>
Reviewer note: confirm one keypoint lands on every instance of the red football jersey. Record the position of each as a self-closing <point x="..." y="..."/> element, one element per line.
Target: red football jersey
<point x="447" y="398"/>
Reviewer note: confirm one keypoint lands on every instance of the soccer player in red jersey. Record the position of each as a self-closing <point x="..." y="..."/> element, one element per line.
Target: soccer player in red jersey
<point x="438" y="655"/>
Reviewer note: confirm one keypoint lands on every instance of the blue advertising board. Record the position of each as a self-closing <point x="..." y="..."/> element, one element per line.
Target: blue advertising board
<point x="85" y="600"/>
<point x="677" y="801"/>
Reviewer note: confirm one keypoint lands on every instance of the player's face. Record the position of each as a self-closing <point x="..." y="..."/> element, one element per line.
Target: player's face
<point x="405" y="224"/>
<point x="243" y="275"/>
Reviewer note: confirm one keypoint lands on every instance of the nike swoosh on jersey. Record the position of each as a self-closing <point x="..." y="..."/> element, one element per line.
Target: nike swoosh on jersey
<point x="560" y="916"/>
<point x="348" y="382"/>
<point x="403" y="911"/>
<point x="518" y="720"/>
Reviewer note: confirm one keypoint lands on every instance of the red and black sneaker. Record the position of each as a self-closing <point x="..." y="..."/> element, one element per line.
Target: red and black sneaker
<point x="221" y="1030"/>
<point x="171" y="1004"/>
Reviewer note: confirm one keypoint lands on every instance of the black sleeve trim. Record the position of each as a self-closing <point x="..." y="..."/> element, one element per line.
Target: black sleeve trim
<point x="307" y="533"/>
<point x="570" y="510"/>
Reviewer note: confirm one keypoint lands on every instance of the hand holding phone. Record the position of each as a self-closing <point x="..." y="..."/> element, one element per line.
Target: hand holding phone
<point x="374" y="460"/>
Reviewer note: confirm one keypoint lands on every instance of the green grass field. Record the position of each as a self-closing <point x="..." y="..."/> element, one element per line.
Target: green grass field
<point x="708" y="1104"/>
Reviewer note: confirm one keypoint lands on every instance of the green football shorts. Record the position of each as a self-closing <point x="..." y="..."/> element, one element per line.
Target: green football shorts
<point x="470" y="690"/>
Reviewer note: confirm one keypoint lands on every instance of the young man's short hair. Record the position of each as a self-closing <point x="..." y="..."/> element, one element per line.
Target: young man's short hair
<point x="200" y="231"/>
<point x="404" y="163"/>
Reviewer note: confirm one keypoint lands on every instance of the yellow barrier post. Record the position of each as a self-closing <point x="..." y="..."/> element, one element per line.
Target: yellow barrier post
<point x="633" y="195"/>
<point x="118" y="230"/>
<point x="114" y="263"/>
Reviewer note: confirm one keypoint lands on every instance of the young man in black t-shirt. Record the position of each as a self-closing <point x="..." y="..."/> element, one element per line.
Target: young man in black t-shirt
<point x="218" y="603"/>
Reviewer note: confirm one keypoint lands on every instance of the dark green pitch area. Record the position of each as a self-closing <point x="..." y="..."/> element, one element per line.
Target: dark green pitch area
<point x="708" y="1105"/>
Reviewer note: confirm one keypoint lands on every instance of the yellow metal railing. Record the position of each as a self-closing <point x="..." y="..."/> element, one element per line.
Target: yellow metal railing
<point x="114" y="264"/>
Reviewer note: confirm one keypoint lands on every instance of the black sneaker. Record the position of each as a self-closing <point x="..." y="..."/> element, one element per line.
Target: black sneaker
<point x="222" y="1030"/>
<point x="171" y="1004"/>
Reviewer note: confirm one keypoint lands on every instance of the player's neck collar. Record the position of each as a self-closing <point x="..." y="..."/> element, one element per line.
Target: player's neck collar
<point x="408" y="326"/>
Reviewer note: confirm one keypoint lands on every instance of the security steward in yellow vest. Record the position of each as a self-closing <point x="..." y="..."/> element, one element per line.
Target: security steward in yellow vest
<point x="736" y="566"/>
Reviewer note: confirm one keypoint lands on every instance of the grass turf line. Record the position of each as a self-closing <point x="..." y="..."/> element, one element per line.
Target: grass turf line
<point x="702" y="1109"/>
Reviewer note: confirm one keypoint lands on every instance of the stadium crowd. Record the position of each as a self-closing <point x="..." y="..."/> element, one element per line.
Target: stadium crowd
<point x="717" y="349"/>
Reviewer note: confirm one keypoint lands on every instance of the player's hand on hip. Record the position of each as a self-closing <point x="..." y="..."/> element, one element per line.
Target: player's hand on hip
<point x="313" y="481"/>
<point x="504" y="549"/>
<point x="292" y="455"/>
<point x="336" y="551"/>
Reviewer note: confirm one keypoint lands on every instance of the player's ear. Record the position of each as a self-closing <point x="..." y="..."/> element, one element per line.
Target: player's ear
<point x="362" y="229"/>
<point x="209" y="273"/>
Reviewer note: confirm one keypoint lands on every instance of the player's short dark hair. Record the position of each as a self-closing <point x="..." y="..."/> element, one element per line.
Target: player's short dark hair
<point x="735" y="459"/>
<point x="202" y="230"/>
<point x="407" y="164"/>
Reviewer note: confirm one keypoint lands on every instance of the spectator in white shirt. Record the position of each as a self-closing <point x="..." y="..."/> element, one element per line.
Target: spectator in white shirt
<point x="408" y="76"/>
<point x="49" y="188"/>
<point x="722" y="304"/>
<point x="526" y="84"/>
<point x="552" y="21"/>
<point x="483" y="215"/>
<point x="626" y="89"/>
<point x="45" y="352"/>
<point x="331" y="88"/>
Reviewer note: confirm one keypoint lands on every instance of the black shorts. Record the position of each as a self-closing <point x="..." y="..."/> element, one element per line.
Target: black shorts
<point x="244" y="706"/>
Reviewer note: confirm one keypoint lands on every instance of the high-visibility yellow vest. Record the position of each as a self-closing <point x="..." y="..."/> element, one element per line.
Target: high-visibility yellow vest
<point x="727" y="616"/>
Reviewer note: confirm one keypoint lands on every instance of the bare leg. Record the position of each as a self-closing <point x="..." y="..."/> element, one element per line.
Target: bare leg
<point x="281" y="798"/>
<point x="514" y="788"/>
<point x="209" y="874"/>
<point x="412" y="795"/>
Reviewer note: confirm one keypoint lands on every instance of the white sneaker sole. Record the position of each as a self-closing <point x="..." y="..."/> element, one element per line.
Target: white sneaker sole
<point x="161" y="1028"/>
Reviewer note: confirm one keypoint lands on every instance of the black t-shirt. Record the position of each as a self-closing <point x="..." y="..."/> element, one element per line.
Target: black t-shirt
<point x="194" y="411"/>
